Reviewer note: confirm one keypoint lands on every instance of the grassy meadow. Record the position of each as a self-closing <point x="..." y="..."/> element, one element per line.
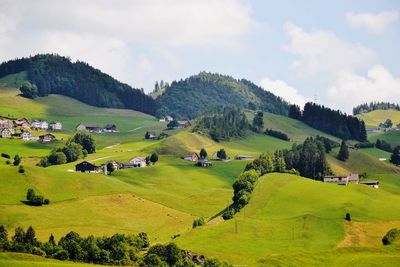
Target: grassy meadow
<point x="374" y="118"/>
<point x="290" y="220"/>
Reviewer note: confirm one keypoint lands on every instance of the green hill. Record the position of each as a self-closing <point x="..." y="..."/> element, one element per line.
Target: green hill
<point x="374" y="118"/>
<point x="296" y="221"/>
<point x="54" y="74"/>
<point x="191" y="97"/>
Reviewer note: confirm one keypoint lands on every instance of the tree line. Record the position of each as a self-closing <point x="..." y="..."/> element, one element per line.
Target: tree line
<point x="118" y="249"/>
<point x="368" y="107"/>
<point x="54" y="74"/>
<point x="330" y="121"/>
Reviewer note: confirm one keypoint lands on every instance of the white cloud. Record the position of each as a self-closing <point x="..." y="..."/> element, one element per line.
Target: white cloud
<point x="323" y="52"/>
<point x="375" y="23"/>
<point x="282" y="89"/>
<point x="351" y="89"/>
<point x="116" y="36"/>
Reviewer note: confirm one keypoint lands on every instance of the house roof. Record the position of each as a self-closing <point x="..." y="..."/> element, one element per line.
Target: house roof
<point x="108" y="126"/>
<point x="86" y="163"/>
<point x="138" y="159"/>
<point x="48" y="134"/>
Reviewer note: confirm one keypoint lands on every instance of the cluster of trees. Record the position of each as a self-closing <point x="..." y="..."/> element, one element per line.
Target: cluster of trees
<point x="309" y="159"/>
<point x="242" y="189"/>
<point x="33" y="199"/>
<point x="223" y="123"/>
<point x="29" y="90"/>
<point x="391" y="236"/>
<point x="118" y="249"/>
<point x="383" y="145"/>
<point x="395" y="157"/>
<point x="329" y="144"/>
<point x="198" y="222"/>
<point x="78" y="146"/>
<point x="16" y="162"/>
<point x="277" y="134"/>
<point x="368" y="107"/>
<point x="330" y="121"/>
<point x="54" y="74"/>
<point x="386" y="124"/>
<point x="187" y="99"/>
<point x="221" y="154"/>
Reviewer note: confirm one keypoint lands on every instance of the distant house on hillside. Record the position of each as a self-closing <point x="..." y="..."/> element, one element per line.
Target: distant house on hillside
<point x="374" y="184"/>
<point x="6" y="133"/>
<point x="110" y="128"/>
<point x="46" y="138"/>
<point x="138" y="162"/>
<point x="192" y="157"/>
<point x="39" y="124"/>
<point x="244" y="157"/>
<point x="150" y="135"/>
<point x="27" y="136"/>
<point x="203" y="163"/>
<point x="88" y="167"/>
<point x="22" y="122"/>
<point x="183" y="124"/>
<point x="55" y="125"/>
<point x="6" y="124"/>
<point x="352" y="178"/>
<point x="166" y="119"/>
<point x="92" y="128"/>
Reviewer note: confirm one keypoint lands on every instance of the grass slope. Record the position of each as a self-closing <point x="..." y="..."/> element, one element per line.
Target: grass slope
<point x="374" y="118"/>
<point x="289" y="216"/>
<point x="392" y="137"/>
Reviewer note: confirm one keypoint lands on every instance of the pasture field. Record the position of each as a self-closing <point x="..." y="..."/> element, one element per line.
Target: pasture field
<point x="374" y="118"/>
<point x="290" y="220"/>
<point x="392" y="137"/>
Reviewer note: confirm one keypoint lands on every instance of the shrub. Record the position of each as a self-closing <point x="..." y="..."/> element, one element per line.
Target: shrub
<point x="348" y="217"/>
<point x="228" y="214"/>
<point x="61" y="255"/>
<point x="4" y="155"/>
<point x="391" y="236"/>
<point x="38" y="251"/>
<point x="365" y="145"/>
<point x="21" y="169"/>
<point x="8" y="162"/>
<point x="17" y="160"/>
<point x="153" y="158"/>
<point x="277" y="134"/>
<point x="198" y="222"/>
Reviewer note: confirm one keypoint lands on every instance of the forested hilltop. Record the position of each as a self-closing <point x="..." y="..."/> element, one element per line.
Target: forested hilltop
<point x="368" y="107"/>
<point x="54" y="74"/>
<point x="189" y="98"/>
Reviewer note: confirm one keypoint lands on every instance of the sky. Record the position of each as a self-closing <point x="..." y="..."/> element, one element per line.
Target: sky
<point x="337" y="53"/>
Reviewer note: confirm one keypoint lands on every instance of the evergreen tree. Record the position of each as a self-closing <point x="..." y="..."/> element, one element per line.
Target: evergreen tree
<point x="19" y="236"/>
<point x="258" y="122"/>
<point x="279" y="161"/>
<point x="222" y="154"/>
<point x="52" y="240"/>
<point x="153" y="158"/>
<point x="17" y="160"/>
<point x="30" y="236"/>
<point x="294" y="112"/>
<point x="3" y="234"/>
<point x="395" y="157"/>
<point x="203" y="153"/>
<point x="343" y="151"/>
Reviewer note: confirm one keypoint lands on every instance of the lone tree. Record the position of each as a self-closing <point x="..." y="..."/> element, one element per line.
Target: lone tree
<point x="203" y="153"/>
<point x="17" y="160"/>
<point x="343" y="152"/>
<point x="348" y="217"/>
<point x="258" y="122"/>
<point x="110" y="167"/>
<point x="29" y="90"/>
<point x="153" y="158"/>
<point x="395" y="157"/>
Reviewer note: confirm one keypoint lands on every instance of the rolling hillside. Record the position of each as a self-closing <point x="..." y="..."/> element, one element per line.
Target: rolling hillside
<point x="296" y="221"/>
<point x="374" y="118"/>
<point x="289" y="221"/>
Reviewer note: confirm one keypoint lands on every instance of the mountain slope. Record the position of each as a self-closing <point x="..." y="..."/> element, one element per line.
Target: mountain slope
<point x="54" y="74"/>
<point x="190" y="97"/>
